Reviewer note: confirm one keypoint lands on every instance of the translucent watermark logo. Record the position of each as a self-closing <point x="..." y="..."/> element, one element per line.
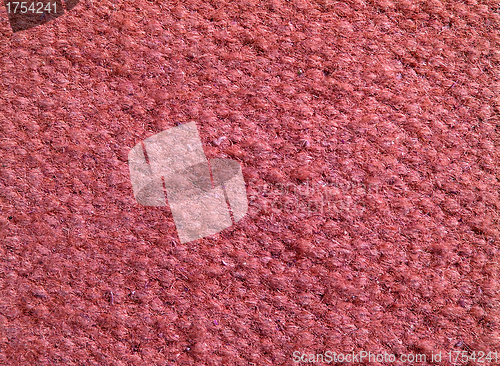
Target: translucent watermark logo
<point x="28" y="14"/>
<point x="205" y="197"/>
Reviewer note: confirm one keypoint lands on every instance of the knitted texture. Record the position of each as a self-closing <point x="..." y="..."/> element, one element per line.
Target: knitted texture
<point x="368" y="136"/>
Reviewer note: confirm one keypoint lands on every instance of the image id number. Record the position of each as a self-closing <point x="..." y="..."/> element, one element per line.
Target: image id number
<point x="38" y="8"/>
<point x="468" y="357"/>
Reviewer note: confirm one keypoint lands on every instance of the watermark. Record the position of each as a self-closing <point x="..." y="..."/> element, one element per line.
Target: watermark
<point x="365" y="357"/>
<point x="28" y="14"/>
<point x="307" y="199"/>
<point x="170" y="168"/>
<point x="362" y="357"/>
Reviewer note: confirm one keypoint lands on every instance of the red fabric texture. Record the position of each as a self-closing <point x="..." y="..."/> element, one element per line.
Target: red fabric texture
<point x="368" y="134"/>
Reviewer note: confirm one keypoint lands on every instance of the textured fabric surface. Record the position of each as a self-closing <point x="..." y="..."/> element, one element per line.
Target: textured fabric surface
<point x="368" y="136"/>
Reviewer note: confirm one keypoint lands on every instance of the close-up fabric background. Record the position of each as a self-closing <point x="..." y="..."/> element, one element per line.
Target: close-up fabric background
<point x="367" y="133"/>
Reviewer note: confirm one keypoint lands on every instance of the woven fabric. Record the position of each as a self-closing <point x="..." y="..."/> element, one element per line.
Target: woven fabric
<point x="368" y="135"/>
